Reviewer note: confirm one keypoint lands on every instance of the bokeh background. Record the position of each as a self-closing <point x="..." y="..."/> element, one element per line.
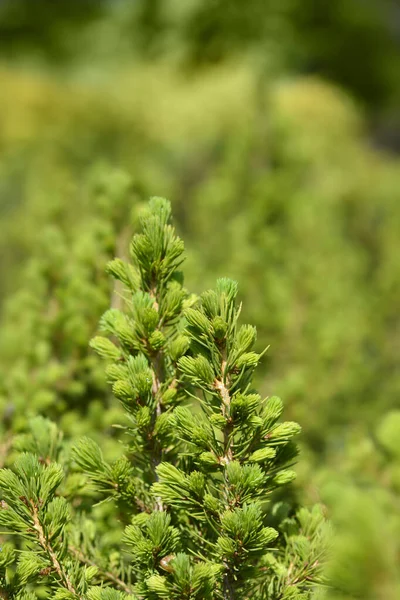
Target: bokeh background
<point x="274" y="128"/>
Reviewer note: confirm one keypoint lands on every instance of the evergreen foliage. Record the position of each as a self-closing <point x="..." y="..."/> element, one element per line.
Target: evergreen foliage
<point x="293" y="171"/>
<point x="193" y="512"/>
<point x="365" y="509"/>
<point x="275" y="185"/>
<point x="46" y="365"/>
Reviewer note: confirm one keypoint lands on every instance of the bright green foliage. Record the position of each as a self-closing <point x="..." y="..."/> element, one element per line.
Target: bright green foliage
<point x="365" y="501"/>
<point x="287" y="196"/>
<point x="264" y="194"/>
<point x="193" y="512"/>
<point x="45" y="364"/>
<point x="277" y="182"/>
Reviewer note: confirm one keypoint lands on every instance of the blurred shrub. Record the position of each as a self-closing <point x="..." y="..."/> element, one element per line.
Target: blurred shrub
<point x="273" y="184"/>
<point x="43" y="26"/>
<point x="276" y="188"/>
<point x="309" y="215"/>
<point x="44" y="359"/>
<point x="362" y="487"/>
<point x="353" y="43"/>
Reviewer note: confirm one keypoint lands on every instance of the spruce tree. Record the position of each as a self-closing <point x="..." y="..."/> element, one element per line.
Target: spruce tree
<point x="194" y="509"/>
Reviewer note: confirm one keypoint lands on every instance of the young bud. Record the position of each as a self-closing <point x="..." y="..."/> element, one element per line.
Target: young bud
<point x="268" y="535"/>
<point x="247" y="360"/>
<point x="143" y="382"/>
<point x="126" y="334"/>
<point x="220" y="327"/>
<point x="211" y="503"/>
<point x="116" y="268"/>
<point x="169" y="396"/>
<point x="164" y="424"/>
<point x="171" y="302"/>
<point x="226" y="546"/>
<point x="262" y="454"/>
<point x="157" y="340"/>
<point x="178" y="347"/>
<point x="228" y="288"/>
<point x="122" y="389"/>
<point x="197" y="483"/>
<point x="91" y="572"/>
<point x="245" y="338"/>
<point x="198" y="368"/>
<point x="197" y="321"/>
<point x="201" y="436"/>
<point x="255" y="421"/>
<point x="124" y="272"/>
<point x="284" y="431"/>
<point x="140" y="250"/>
<point x="208" y="458"/>
<point x="218" y="421"/>
<point x="158" y="585"/>
<point x="105" y="348"/>
<point x="150" y="319"/>
<point x="115" y="372"/>
<point x="175" y="250"/>
<point x="143" y="417"/>
<point x="273" y="408"/>
<point x="284" y="477"/>
<point x="210" y="303"/>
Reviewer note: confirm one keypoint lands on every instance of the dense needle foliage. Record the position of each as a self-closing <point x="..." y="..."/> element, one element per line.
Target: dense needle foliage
<point x="266" y="123"/>
<point x="193" y="512"/>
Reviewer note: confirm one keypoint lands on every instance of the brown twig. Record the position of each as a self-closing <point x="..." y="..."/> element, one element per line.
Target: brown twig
<point x="158" y="374"/>
<point x="222" y="385"/>
<point x="45" y="544"/>
<point x="223" y="389"/>
<point x="106" y="574"/>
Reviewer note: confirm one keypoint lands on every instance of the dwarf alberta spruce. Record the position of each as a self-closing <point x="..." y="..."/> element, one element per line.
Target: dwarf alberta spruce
<point x="193" y="512"/>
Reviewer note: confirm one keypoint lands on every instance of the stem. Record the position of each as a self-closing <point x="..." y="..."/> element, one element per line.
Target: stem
<point x="158" y="375"/>
<point x="156" y="362"/>
<point x="222" y="385"/>
<point x="229" y="591"/>
<point x="223" y="389"/>
<point x="45" y="544"/>
<point x="106" y="574"/>
<point x="157" y="378"/>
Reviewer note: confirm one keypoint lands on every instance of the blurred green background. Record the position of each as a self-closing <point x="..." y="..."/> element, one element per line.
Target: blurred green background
<point x="274" y="128"/>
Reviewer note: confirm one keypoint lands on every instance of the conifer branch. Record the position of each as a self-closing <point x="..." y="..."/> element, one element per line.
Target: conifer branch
<point x="158" y="375"/>
<point x="156" y="360"/>
<point x="104" y="574"/>
<point x="194" y="482"/>
<point x="47" y="547"/>
<point x="222" y="385"/>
